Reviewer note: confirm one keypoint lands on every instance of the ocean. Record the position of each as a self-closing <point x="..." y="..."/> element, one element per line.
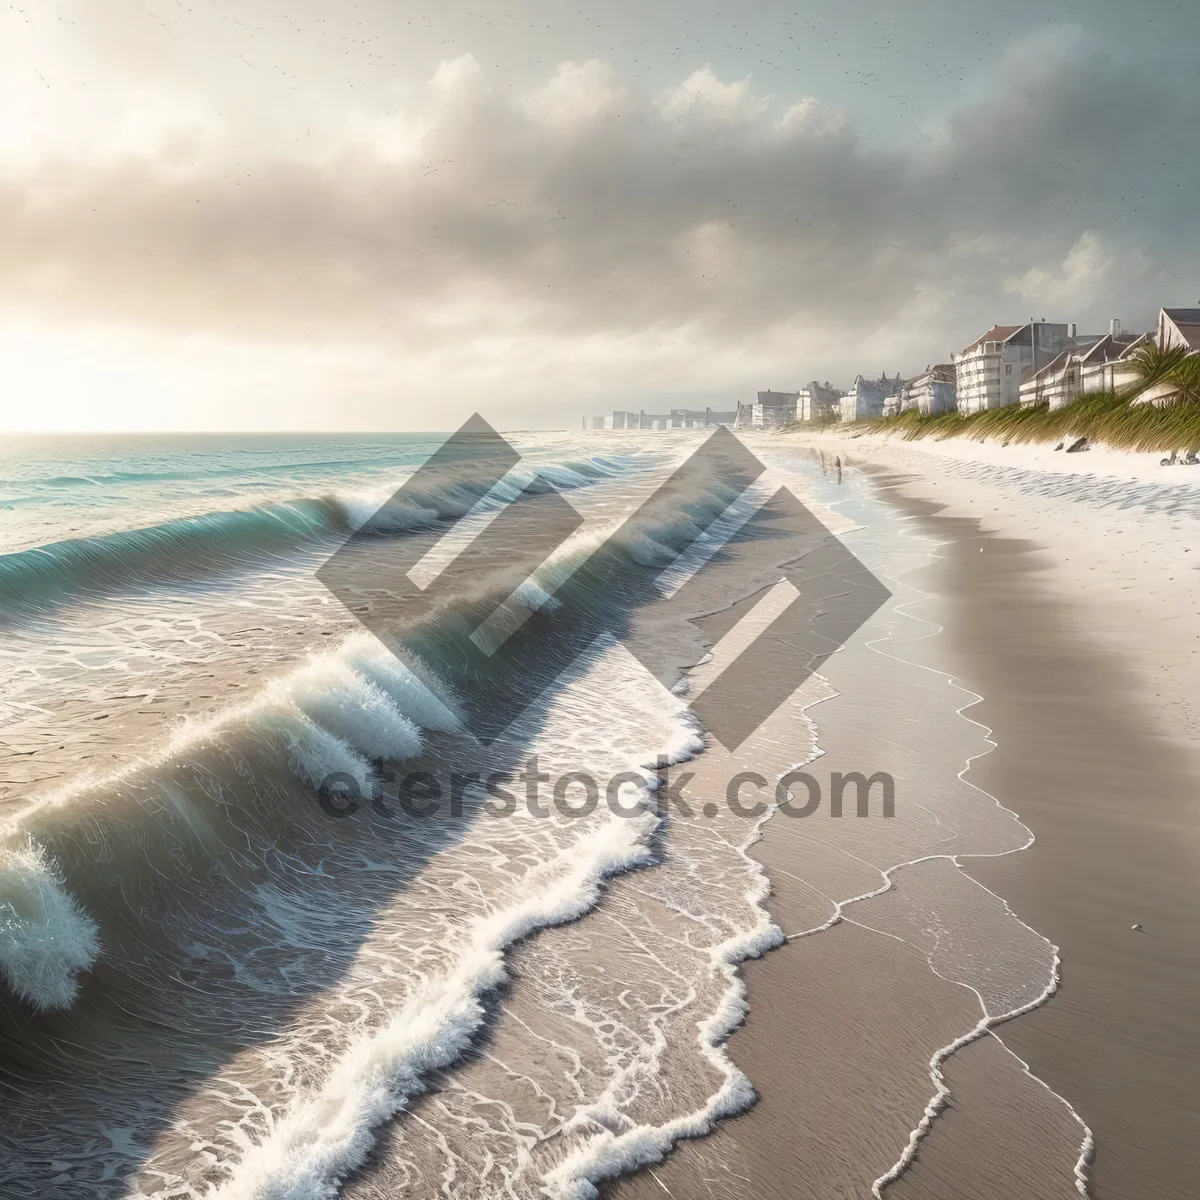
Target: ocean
<point x="239" y="960"/>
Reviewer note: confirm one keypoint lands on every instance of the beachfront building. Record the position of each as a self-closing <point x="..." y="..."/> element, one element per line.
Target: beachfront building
<point x="640" y="420"/>
<point x="700" y="418"/>
<point x="677" y="418"/>
<point x="988" y="372"/>
<point x="933" y="391"/>
<point x="770" y="411"/>
<point x="818" y="403"/>
<point x="1088" y="365"/>
<point x="866" y="398"/>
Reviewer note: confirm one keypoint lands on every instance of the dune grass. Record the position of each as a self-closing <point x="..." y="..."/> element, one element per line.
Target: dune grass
<point x="1101" y="417"/>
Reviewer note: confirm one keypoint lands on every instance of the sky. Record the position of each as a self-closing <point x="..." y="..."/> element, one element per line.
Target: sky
<point x="252" y="214"/>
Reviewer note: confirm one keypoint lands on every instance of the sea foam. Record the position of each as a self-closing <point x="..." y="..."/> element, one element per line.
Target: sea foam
<point x="351" y="707"/>
<point x="46" y="939"/>
<point x="326" y="1133"/>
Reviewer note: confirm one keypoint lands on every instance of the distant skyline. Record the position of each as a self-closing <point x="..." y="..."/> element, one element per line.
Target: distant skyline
<point x="220" y="215"/>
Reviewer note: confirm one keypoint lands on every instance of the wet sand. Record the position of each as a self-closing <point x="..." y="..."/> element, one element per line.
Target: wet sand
<point x="1116" y="813"/>
<point x="842" y="1025"/>
<point x="839" y="1087"/>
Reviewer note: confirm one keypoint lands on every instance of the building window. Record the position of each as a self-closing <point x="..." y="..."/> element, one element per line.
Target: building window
<point x="1008" y="368"/>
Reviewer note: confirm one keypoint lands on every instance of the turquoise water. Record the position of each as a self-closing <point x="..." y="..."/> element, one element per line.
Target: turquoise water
<point x="82" y="485"/>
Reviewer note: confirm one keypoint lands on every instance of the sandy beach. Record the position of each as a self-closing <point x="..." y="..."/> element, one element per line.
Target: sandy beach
<point x="1067" y="604"/>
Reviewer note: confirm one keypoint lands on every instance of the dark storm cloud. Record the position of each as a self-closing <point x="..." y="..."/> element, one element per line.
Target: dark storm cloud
<point x="1068" y="184"/>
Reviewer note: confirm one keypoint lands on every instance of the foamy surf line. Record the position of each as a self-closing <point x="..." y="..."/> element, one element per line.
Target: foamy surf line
<point x="608" y="1155"/>
<point x="314" y="1142"/>
<point x="325" y="1135"/>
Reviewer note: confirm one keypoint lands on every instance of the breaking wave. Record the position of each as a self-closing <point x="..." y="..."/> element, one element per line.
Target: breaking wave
<point x="336" y="715"/>
<point x="191" y="548"/>
<point x="341" y="712"/>
<point x="143" y="911"/>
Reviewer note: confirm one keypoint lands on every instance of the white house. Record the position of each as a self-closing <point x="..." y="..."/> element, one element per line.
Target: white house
<point x="1091" y="364"/>
<point x="697" y="418"/>
<point x="770" y="411"/>
<point x="819" y="402"/>
<point x="866" y="397"/>
<point x="988" y="372"/>
<point x="639" y="420"/>
<point x="933" y="391"/>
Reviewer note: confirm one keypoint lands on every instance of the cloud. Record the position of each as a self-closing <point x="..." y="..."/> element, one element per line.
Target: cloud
<point x="704" y="100"/>
<point x="578" y="92"/>
<point x="1086" y="270"/>
<point x="460" y="77"/>
<point x="588" y="212"/>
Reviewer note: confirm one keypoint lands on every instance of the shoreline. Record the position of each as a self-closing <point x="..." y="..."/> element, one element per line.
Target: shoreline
<point x="1120" y="540"/>
<point x="1113" y="1041"/>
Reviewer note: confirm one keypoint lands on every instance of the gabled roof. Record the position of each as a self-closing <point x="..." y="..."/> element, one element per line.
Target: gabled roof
<point x="941" y="373"/>
<point x="997" y="333"/>
<point x="1187" y="321"/>
<point x="1056" y="364"/>
<point x="1130" y="347"/>
<point x="1110" y="347"/>
<point x="822" y="393"/>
